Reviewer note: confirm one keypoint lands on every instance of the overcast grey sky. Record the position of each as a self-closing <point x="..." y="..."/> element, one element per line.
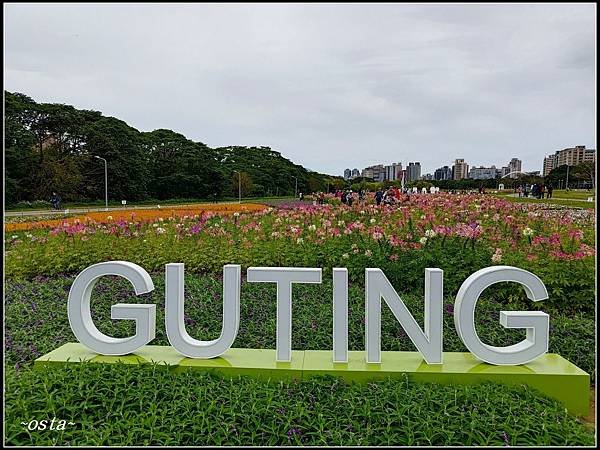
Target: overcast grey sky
<point x="329" y="86"/>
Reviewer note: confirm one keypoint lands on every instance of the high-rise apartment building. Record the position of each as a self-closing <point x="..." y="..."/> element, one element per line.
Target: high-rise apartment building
<point x="569" y="156"/>
<point x="347" y="174"/>
<point x="460" y="169"/>
<point x="393" y="172"/>
<point x="413" y="171"/>
<point x="443" y="173"/>
<point x="355" y="173"/>
<point x="367" y="172"/>
<point x="514" y="167"/>
<point x="484" y="173"/>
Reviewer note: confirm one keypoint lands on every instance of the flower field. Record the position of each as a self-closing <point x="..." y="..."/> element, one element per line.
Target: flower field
<point x="134" y="215"/>
<point x="457" y="233"/>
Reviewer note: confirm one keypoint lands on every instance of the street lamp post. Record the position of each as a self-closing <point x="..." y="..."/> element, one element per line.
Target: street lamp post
<point x="567" y="182"/>
<point x="105" y="181"/>
<point x="239" y="186"/>
<point x="296" y="188"/>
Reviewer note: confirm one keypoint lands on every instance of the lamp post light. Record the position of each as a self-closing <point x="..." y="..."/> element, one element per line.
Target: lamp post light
<point x="105" y="181"/>
<point x="296" y="188"/>
<point x="239" y="186"/>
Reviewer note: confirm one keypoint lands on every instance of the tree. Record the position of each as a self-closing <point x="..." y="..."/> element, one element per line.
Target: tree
<point x="180" y="168"/>
<point x="120" y="145"/>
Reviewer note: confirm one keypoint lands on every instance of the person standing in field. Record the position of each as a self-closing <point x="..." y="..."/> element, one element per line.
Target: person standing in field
<point x="549" y="190"/>
<point x="378" y="197"/>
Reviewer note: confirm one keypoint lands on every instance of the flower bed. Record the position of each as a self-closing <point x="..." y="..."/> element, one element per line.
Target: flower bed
<point x="133" y="215"/>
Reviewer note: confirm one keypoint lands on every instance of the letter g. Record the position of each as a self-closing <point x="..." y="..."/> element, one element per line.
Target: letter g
<point x="80" y="317"/>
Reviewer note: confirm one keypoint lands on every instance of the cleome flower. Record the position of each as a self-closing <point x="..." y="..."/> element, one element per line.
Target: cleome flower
<point x="527" y="231"/>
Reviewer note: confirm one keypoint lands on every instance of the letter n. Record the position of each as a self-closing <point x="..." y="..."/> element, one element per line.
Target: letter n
<point x="429" y="343"/>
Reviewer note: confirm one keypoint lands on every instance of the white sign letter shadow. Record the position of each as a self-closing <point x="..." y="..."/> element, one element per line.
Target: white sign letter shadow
<point x="284" y="277"/>
<point x="174" y="314"/>
<point x="80" y="316"/>
<point x="535" y="322"/>
<point x="429" y="343"/>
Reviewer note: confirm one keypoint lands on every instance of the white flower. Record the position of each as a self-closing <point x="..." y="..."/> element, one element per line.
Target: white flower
<point x="341" y="223"/>
<point x="160" y="219"/>
<point x="299" y="241"/>
<point x="160" y="230"/>
<point x="158" y="206"/>
<point x="363" y="212"/>
<point x="236" y="214"/>
<point x="154" y="225"/>
<point x="368" y="253"/>
<point x="423" y="217"/>
<point x="29" y="236"/>
<point x="497" y="256"/>
<point x="312" y="227"/>
<point x="345" y="256"/>
<point x="372" y="220"/>
<point x="14" y="236"/>
<point x="527" y="232"/>
<point x="430" y="233"/>
<point x="144" y="240"/>
<point x="423" y="240"/>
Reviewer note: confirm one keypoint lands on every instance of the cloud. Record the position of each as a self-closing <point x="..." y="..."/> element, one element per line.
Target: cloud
<point x="329" y="86"/>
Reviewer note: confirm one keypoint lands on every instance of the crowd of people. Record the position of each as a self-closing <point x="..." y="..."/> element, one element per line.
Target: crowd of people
<point x="535" y="190"/>
<point x="390" y="196"/>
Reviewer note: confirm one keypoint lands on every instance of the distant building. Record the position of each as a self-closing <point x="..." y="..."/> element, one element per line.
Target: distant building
<point x="484" y="173"/>
<point x="355" y="173"/>
<point x="379" y="172"/>
<point x="443" y="173"/>
<point x="402" y="176"/>
<point x="427" y="176"/>
<point x="347" y="174"/>
<point x="367" y="172"/>
<point x="569" y="156"/>
<point x="514" y="166"/>
<point x="413" y="171"/>
<point x="460" y="169"/>
<point x="549" y="164"/>
<point x="504" y="171"/>
<point x="393" y="172"/>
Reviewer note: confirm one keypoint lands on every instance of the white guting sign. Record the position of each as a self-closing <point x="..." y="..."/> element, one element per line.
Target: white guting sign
<point x="428" y="341"/>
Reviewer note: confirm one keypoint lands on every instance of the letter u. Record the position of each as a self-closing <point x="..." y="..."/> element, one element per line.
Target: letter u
<point x="174" y="313"/>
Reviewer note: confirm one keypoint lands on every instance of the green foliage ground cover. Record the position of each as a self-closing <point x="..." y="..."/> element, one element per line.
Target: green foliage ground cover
<point x="148" y="405"/>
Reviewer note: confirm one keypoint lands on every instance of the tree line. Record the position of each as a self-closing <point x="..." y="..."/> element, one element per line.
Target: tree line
<point x="51" y="147"/>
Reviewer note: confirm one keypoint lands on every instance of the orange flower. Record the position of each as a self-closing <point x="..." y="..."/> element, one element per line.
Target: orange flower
<point x="139" y="215"/>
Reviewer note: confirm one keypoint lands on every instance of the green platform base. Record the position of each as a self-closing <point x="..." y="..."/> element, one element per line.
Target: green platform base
<point x="550" y="374"/>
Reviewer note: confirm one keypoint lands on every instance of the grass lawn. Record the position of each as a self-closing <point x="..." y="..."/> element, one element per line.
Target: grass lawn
<point x="148" y="405"/>
<point x="573" y="199"/>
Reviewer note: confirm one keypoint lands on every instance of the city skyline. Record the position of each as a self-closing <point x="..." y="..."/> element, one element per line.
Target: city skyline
<point x="328" y="86"/>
